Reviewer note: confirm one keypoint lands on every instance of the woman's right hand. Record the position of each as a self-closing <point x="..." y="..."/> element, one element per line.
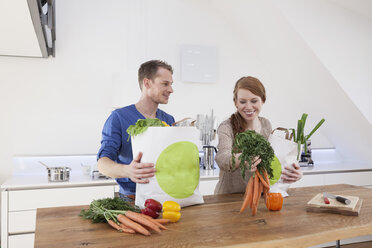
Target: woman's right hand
<point x="256" y="161"/>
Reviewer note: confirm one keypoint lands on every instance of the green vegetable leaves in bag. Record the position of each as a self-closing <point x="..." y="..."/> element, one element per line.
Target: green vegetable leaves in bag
<point x="142" y="125"/>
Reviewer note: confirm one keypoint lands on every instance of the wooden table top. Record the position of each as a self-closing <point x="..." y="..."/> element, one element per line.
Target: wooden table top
<point x="218" y="223"/>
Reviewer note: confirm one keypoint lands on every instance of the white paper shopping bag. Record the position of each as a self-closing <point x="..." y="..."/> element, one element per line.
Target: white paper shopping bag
<point x="285" y="154"/>
<point x="175" y="154"/>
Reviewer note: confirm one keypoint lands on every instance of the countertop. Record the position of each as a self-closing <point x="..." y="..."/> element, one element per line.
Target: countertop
<point x="217" y="223"/>
<point x="77" y="179"/>
<point x="335" y="167"/>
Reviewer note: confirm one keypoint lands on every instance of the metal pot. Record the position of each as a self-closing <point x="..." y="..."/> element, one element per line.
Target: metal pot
<point x="58" y="174"/>
<point x="208" y="158"/>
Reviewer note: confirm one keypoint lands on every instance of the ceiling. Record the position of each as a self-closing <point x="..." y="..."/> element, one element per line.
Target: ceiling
<point x="362" y="7"/>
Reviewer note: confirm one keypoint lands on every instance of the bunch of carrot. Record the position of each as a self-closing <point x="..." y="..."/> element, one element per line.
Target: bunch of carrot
<point x="131" y="222"/>
<point x="258" y="183"/>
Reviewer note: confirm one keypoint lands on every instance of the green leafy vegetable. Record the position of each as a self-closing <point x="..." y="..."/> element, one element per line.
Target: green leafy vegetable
<point x="301" y="138"/>
<point x="251" y="144"/>
<point x="142" y="125"/>
<point x="101" y="210"/>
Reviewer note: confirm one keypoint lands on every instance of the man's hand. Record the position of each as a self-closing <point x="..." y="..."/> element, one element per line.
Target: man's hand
<point x="292" y="173"/>
<point x="140" y="172"/>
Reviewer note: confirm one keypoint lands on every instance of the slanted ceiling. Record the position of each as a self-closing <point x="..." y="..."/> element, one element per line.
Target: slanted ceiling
<point x="340" y="35"/>
<point x="325" y="45"/>
<point x="360" y="7"/>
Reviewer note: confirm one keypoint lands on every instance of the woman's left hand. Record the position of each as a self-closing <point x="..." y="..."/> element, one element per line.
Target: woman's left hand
<point x="292" y="173"/>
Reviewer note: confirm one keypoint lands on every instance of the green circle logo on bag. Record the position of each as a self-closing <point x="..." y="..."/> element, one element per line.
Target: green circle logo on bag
<point x="177" y="169"/>
<point x="277" y="170"/>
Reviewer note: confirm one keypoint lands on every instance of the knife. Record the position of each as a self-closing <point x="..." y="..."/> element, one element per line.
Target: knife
<point x="338" y="198"/>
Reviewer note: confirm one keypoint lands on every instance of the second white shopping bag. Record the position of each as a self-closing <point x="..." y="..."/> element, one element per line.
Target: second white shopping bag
<point x="285" y="155"/>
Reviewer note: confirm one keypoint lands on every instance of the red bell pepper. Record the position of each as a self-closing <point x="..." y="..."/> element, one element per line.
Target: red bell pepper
<point x="153" y="205"/>
<point x="152" y="208"/>
<point x="150" y="212"/>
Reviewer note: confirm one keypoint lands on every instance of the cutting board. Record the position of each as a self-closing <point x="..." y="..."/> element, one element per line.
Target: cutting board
<point x="316" y="204"/>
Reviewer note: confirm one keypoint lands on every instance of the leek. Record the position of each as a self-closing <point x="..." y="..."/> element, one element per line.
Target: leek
<point x="300" y="138"/>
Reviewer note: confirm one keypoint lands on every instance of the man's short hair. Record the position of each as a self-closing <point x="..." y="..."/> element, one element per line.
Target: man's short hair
<point x="150" y="68"/>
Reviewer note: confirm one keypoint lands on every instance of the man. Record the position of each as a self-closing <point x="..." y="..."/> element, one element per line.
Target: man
<point x="115" y="158"/>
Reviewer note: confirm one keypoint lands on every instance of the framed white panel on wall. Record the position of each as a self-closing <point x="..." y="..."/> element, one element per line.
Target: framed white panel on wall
<point x="199" y="64"/>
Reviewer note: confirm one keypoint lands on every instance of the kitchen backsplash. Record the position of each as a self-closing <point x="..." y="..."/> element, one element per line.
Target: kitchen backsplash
<point x="31" y="164"/>
<point x="22" y="165"/>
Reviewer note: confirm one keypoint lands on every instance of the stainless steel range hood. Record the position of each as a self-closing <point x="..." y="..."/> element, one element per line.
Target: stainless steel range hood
<point x="43" y="17"/>
<point x="27" y="28"/>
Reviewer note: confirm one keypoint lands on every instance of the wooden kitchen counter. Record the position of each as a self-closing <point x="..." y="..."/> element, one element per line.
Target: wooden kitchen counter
<point x="217" y="223"/>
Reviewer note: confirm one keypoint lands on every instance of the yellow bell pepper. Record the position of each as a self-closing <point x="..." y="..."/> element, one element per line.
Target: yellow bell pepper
<point x="171" y="206"/>
<point x="172" y="216"/>
<point x="171" y="211"/>
<point x="165" y="124"/>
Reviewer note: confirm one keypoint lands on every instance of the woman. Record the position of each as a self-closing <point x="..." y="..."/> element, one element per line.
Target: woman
<point x="249" y="97"/>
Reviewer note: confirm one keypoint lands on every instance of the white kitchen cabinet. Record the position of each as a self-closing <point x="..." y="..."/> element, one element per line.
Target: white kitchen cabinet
<point x="207" y="186"/>
<point x="45" y="198"/>
<point x="22" y="241"/>
<point x="19" y="209"/>
<point x="355" y="178"/>
<point x="21" y="221"/>
<point x="309" y="180"/>
<point x="358" y="178"/>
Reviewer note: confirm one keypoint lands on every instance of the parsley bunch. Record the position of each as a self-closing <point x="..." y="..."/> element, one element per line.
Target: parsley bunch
<point x="251" y="144"/>
<point x="97" y="208"/>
